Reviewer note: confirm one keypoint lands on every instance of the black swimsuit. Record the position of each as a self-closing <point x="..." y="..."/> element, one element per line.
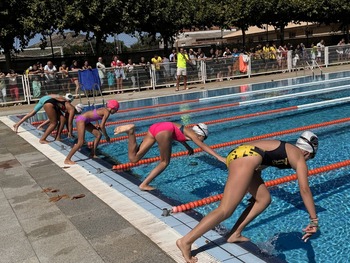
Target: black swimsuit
<point x="58" y="105"/>
<point x="277" y="157"/>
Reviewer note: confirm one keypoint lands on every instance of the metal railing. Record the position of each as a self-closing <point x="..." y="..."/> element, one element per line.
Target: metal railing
<point x="29" y="88"/>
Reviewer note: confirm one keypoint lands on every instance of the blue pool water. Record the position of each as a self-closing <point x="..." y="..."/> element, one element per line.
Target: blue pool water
<point x="277" y="231"/>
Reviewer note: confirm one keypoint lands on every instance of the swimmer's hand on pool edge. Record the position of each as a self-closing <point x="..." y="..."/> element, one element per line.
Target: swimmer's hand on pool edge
<point x="310" y="230"/>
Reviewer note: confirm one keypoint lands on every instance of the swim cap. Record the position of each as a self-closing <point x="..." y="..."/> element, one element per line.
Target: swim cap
<point x="113" y="104"/>
<point x="308" y="141"/>
<point x="201" y="129"/>
<point x="69" y="97"/>
<point x="79" y="108"/>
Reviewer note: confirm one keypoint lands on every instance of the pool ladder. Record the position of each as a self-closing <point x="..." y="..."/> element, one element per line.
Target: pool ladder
<point x="314" y="65"/>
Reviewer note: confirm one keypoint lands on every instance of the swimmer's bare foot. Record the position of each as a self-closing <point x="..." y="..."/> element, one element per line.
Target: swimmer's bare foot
<point x="146" y="187"/>
<point x="93" y="156"/>
<point x="44" y="141"/>
<point x="129" y="128"/>
<point x="234" y="238"/>
<point x="15" y="128"/>
<point x="186" y="251"/>
<point x="70" y="162"/>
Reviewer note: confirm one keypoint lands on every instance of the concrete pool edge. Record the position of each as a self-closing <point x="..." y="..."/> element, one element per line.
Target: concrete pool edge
<point x="134" y="205"/>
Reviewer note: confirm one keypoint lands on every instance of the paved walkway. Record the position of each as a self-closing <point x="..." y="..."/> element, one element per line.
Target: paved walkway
<point x="82" y="226"/>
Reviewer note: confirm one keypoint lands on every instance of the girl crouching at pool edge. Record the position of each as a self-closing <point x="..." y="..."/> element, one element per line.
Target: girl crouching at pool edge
<point x="164" y="133"/>
<point x="83" y="123"/>
<point x="245" y="164"/>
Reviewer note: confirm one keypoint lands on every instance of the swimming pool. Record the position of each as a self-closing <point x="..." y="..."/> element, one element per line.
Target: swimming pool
<point x="278" y="230"/>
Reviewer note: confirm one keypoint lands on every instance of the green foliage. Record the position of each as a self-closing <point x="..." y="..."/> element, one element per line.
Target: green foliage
<point x="154" y="19"/>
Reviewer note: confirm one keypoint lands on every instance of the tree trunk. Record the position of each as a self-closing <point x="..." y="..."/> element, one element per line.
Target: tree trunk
<point x="282" y="35"/>
<point x="166" y="47"/>
<point x="243" y="39"/>
<point x="98" y="45"/>
<point x="7" y="52"/>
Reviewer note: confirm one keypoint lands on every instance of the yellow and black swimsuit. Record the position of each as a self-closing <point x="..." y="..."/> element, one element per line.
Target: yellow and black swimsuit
<point x="277" y="157"/>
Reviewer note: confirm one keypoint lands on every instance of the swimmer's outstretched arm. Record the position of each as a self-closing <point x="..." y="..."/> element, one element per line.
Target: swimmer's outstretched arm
<point x="26" y="117"/>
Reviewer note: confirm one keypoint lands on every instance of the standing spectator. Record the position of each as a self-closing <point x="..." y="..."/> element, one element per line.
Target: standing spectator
<point x="340" y="49"/>
<point x="118" y="66"/>
<point x="50" y="73"/>
<point x="64" y="77"/>
<point x="74" y="67"/>
<point x="130" y="69"/>
<point x="193" y="58"/>
<point x="156" y="65"/>
<point x="34" y="75"/>
<point x="320" y="49"/>
<point x="101" y="69"/>
<point x="14" y="90"/>
<point x="144" y="74"/>
<point x="166" y="66"/>
<point x="110" y="78"/>
<point x="279" y="55"/>
<point x="172" y="61"/>
<point x="201" y="57"/>
<point x="2" y="89"/>
<point x="219" y="65"/>
<point x="272" y="55"/>
<point x="182" y="59"/>
<point x="313" y="54"/>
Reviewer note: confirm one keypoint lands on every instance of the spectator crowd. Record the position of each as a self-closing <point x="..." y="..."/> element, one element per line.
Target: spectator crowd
<point x="118" y="76"/>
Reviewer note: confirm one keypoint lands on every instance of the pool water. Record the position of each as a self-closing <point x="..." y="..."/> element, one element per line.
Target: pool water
<point x="277" y="231"/>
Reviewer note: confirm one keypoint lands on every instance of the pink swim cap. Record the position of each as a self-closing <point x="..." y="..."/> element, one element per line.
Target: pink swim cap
<point x="113" y="104"/>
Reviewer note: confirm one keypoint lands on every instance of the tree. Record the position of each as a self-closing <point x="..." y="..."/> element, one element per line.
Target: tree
<point x="164" y="17"/>
<point x="13" y="26"/>
<point x="278" y="13"/>
<point x="98" y="19"/>
<point x="236" y="14"/>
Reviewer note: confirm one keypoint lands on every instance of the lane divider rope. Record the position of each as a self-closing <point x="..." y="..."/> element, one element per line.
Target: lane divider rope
<point x="142" y="108"/>
<point x="245" y="116"/>
<point x="249" y="115"/>
<point x="127" y="166"/>
<point x="274" y="182"/>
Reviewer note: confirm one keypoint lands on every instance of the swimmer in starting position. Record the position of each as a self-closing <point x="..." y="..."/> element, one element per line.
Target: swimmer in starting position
<point x="164" y="133"/>
<point x="245" y="164"/>
<point x="83" y="122"/>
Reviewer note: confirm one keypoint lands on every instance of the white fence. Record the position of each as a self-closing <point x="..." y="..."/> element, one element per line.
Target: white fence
<point x="29" y="88"/>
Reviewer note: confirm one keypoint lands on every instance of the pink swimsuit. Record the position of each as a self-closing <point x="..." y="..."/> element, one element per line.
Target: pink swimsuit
<point x="87" y="120"/>
<point x="177" y="133"/>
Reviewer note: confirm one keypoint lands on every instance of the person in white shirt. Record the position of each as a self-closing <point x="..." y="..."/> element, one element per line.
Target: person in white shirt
<point x="50" y="71"/>
<point x="101" y="69"/>
<point x="320" y="49"/>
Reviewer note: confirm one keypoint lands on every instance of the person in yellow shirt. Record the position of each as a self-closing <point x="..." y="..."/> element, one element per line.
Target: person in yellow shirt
<point x="156" y="64"/>
<point x="182" y="59"/>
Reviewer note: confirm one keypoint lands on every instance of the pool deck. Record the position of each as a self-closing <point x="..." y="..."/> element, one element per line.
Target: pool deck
<point x="52" y="213"/>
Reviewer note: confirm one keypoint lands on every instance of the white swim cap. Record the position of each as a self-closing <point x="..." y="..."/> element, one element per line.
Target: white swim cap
<point x="201" y="129"/>
<point x="79" y="108"/>
<point x="69" y="97"/>
<point x="308" y="141"/>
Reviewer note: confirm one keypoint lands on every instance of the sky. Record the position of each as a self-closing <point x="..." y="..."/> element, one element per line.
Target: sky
<point x="127" y="39"/>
